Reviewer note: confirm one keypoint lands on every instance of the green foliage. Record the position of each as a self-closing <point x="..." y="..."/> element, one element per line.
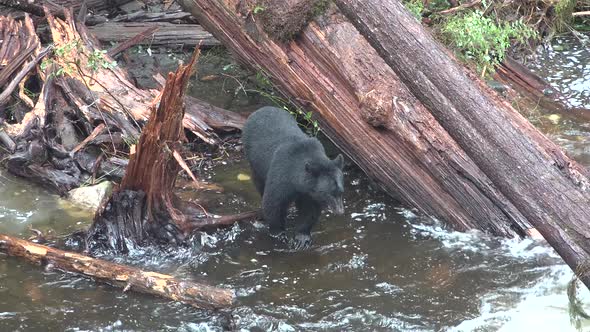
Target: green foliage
<point x="480" y="39"/>
<point x="95" y="60"/>
<point x="320" y="7"/>
<point x="266" y="89"/>
<point x="258" y="9"/>
<point x="416" y="7"/>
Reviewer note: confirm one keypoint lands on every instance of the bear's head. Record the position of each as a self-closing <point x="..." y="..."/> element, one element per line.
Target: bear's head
<point x="324" y="182"/>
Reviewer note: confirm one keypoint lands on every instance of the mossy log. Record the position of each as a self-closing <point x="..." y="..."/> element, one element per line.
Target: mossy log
<point x="122" y="276"/>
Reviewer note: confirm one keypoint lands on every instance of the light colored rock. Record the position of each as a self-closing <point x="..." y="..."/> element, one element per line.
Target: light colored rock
<point x="91" y="197"/>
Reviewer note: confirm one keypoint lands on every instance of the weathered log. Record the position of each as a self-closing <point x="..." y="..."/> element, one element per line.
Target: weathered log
<point x="368" y="113"/>
<point x="551" y="190"/>
<point x="223" y="221"/>
<point x="213" y="116"/>
<point x="144" y="16"/>
<point x="118" y="275"/>
<point x="7" y="141"/>
<point x="167" y="34"/>
<point x="56" y="7"/>
<point x="131" y="41"/>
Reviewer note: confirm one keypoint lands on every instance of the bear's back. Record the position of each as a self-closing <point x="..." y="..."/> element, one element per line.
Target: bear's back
<point x="266" y="130"/>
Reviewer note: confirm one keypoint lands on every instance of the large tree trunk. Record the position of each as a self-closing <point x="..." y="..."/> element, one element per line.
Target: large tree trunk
<point x="549" y="188"/>
<point x="365" y="110"/>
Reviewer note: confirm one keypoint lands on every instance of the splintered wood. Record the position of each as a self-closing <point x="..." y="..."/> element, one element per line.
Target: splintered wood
<point x="153" y="168"/>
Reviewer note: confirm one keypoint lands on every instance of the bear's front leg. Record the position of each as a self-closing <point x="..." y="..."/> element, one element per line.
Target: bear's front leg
<point x="308" y="215"/>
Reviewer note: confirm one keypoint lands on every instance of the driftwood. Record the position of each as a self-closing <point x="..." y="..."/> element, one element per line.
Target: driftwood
<point x="368" y="113"/>
<point x="121" y="276"/>
<point x="167" y="34"/>
<point x="551" y="190"/>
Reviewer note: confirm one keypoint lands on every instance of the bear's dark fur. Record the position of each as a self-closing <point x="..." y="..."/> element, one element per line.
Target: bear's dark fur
<point x="289" y="166"/>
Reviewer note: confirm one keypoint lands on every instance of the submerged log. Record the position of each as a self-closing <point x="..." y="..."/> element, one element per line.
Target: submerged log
<point x="366" y="110"/>
<point x="537" y="89"/>
<point x="167" y="34"/>
<point x="118" y="275"/>
<point x="551" y="190"/>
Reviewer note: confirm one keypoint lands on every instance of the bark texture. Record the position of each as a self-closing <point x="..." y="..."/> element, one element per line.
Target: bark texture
<point x="120" y="276"/>
<point x="549" y="188"/>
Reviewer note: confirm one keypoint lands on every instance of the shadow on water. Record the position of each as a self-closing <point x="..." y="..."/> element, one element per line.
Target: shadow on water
<point x="379" y="267"/>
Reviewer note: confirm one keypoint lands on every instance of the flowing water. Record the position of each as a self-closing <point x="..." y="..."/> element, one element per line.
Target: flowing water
<point x="380" y="267"/>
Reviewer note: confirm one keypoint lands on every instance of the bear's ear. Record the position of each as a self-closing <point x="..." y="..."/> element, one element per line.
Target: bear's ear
<point x="339" y="161"/>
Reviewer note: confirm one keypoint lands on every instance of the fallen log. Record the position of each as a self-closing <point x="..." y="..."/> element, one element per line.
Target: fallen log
<point x="551" y="190"/>
<point x="118" y="275"/>
<point x="144" y="16"/>
<point x="131" y="41"/>
<point x="56" y="7"/>
<point x="367" y="112"/>
<point x="167" y="34"/>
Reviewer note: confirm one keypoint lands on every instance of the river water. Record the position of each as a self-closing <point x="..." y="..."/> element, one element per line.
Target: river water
<point x="380" y="267"/>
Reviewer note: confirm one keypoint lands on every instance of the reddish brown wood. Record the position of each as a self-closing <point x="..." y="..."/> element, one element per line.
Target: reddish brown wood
<point x="366" y="111"/>
<point x="153" y="168"/>
<point x="551" y="190"/>
<point x="19" y="42"/>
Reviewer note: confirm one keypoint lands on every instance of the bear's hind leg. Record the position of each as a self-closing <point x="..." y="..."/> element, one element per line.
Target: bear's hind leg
<point x="258" y="182"/>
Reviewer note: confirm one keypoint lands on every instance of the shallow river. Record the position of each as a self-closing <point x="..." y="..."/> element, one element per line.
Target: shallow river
<point x="377" y="268"/>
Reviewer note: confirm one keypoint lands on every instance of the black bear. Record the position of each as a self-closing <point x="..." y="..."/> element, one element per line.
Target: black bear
<point x="289" y="166"/>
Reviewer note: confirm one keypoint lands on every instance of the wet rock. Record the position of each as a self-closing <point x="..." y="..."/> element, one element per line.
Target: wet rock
<point x="91" y="197"/>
